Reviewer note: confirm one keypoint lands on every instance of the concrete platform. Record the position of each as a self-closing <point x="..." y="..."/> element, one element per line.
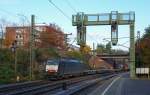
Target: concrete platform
<point x="123" y="85"/>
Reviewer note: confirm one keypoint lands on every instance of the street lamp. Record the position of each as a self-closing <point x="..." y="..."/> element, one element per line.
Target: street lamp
<point x="14" y="50"/>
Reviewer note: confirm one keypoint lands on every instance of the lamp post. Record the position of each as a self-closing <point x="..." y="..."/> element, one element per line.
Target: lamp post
<point x="94" y="55"/>
<point x="14" y="50"/>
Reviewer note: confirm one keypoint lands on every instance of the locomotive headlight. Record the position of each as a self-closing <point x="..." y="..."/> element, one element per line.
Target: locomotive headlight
<point x="47" y="67"/>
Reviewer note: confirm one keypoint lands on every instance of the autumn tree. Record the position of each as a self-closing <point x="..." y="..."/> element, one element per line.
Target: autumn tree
<point x="75" y="54"/>
<point x="3" y="24"/>
<point x="144" y="51"/>
<point x="86" y="49"/>
<point x="108" y="47"/>
<point x="104" y="48"/>
<point x="43" y="54"/>
<point x="52" y="37"/>
<point x="100" y="49"/>
<point x="22" y="62"/>
<point x="6" y="66"/>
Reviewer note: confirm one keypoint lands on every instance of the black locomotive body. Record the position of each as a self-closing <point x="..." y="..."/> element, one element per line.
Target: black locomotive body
<point x="62" y="68"/>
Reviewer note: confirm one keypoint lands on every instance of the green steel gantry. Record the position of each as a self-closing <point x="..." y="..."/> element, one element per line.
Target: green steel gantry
<point x="114" y="19"/>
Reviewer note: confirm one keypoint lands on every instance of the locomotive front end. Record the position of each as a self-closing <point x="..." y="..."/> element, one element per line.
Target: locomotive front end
<point x="52" y="67"/>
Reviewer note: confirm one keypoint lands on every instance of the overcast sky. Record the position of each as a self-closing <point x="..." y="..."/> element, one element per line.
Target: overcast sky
<point x="46" y="12"/>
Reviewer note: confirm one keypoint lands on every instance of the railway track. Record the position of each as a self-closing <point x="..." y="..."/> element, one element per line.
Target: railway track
<point x="40" y="87"/>
<point x="4" y="88"/>
<point x="83" y="87"/>
<point x="13" y="87"/>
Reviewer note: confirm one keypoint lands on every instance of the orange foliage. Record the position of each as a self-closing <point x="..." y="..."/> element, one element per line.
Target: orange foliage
<point x="52" y="37"/>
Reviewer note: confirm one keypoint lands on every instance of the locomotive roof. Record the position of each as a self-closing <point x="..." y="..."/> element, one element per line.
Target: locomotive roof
<point x="70" y="59"/>
<point x="66" y="59"/>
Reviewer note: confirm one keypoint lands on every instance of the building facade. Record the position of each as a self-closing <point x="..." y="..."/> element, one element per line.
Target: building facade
<point x="44" y="37"/>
